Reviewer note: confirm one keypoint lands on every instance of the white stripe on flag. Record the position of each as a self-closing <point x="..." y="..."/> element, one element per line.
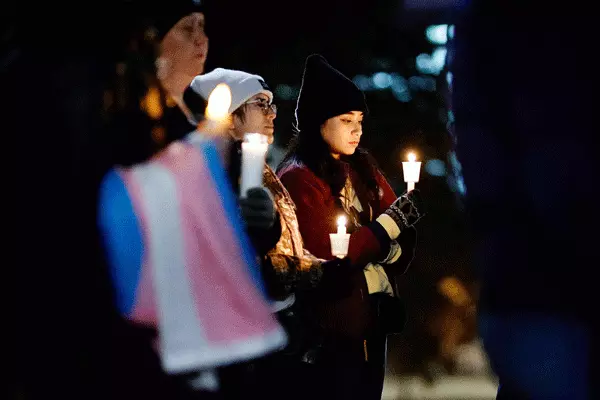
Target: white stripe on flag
<point x="183" y="345"/>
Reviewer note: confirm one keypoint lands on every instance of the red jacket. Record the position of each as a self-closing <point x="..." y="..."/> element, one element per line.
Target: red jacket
<point x="317" y="216"/>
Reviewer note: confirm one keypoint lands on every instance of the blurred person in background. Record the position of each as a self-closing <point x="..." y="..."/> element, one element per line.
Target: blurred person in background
<point x="526" y="130"/>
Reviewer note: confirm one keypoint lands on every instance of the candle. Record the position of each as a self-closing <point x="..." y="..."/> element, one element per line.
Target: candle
<point x="217" y="111"/>
<point x="341" y="224"/>
<point x="219" y="102"/>
<point x="340" y="240"/>
<point x="254" y="153"/>
<point x="411" y="169"/>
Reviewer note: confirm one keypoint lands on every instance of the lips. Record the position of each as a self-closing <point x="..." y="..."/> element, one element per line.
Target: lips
<point x="353" y="143"/>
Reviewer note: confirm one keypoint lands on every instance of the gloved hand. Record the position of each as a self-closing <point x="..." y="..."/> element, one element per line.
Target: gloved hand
<point x="336" y="281"/>
<point x="258" y="208"/>
<point x="341" y="265"/>
<point x="407" y="210"/>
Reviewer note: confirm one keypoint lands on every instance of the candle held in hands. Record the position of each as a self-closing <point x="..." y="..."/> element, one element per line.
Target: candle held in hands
<point x="341" y="224"/>
<point x="254" y="152"/>
<point x="340" y="240"/>
<point x="411" y="170"/>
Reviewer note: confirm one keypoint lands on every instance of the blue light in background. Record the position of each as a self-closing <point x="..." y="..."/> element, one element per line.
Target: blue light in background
<point x="420" y="83"/>
<point x="437" y="34"/>
<point x="400" y="88"/>
<point x="363" y="82"/>
<point x="432" y="63"/>
<point x="285" y="92"/>
<point x="382" y="80"/>
<point x="435" y="167"/>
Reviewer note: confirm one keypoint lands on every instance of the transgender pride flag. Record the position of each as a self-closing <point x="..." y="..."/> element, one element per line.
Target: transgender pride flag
<point x="181" y="262"/>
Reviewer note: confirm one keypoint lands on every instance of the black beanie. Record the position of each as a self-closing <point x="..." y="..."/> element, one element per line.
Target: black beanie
<point x="161" y="15"/>
<point x="325" y="93"/>
<point x="171" y="12"/>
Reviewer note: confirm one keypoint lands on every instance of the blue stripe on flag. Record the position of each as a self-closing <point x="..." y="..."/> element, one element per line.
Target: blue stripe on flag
<point x="230" y="206"/>
<point x="122" y="239"/>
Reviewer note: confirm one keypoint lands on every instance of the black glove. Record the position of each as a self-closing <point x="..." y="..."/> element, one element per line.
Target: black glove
<point x="340" y="265"/>
<point x="336" y="281"/>
<point x="407" y="210"/>
<point x="258" y="208"/>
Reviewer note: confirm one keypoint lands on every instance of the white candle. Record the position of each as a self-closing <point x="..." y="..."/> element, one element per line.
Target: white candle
<point x="412" y="170"/>
<point x="340" y="240"/>
<point x="254" y="153"/>
<point x="341" y="224"/>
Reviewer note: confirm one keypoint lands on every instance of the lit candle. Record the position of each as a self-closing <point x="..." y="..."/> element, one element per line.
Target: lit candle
<point x="341" y="224"/>
<point x="340" y="240"/>
<point x="254" y="153"/>
<point x="412" y="170"/>
<point x="217" y="111"/>
<point x="219" y="102"/>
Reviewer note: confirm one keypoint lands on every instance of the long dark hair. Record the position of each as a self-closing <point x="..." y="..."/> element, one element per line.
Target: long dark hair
<point x="309" y="148"/>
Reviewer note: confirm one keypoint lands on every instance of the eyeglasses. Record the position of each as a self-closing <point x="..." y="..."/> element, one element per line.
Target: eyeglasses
<point x="264" y="106"/>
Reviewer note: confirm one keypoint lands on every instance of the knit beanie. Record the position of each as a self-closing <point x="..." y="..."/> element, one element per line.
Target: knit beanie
<point x="242" y="85"/>
<point x="325" y="93"/>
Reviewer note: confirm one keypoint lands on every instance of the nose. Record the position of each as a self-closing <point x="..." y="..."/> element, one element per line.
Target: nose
<point x="271" y="115"/>
<point x="357" y="131"/>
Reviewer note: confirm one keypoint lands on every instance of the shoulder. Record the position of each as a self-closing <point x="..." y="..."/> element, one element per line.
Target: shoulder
<point x="296" y="174"/>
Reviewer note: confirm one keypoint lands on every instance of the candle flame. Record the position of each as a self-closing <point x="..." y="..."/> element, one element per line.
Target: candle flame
<point x="341" y="221"/>
<point x="219" y="102"/>
<point x="412" y="157"/>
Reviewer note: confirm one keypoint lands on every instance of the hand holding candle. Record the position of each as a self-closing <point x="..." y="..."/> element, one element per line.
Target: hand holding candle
<point x="411" y="169"/>
<point x="254" y="152"/>
<point x="340" y="240"/>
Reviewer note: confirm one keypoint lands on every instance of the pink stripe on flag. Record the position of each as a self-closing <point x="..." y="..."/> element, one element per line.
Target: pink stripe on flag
<point x="219" y="278"/>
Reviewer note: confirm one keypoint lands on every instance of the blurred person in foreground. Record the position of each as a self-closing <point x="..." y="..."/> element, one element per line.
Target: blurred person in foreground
<point x="71" y="339"/>
<point x="526" y="131"/>
<point x="179" y="256"/>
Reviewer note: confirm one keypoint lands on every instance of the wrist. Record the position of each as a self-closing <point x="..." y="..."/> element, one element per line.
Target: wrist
<point x="391" y="224"/>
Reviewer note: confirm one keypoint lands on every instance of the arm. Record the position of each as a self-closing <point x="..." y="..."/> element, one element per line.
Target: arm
<point x="284" y="274"/>
<point x="264" y="239"/>
<point x="263" y="224"/>
<point x="317" y="215"/>
<point x="406" y="241"/>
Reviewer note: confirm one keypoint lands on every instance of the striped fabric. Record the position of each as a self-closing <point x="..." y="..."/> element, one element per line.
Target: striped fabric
<point x="198" y="279"/>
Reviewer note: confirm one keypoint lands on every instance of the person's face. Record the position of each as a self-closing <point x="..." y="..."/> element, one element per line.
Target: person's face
<point x="258" y="117"/>
<point x="185" y="46"/>
<point x="342" y="133"/>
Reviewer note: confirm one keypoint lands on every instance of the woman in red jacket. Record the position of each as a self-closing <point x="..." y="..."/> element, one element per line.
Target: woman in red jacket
<point x="328" y="175"/>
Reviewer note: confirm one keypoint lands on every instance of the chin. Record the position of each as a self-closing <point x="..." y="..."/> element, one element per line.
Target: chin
<point x="269" y="134"/>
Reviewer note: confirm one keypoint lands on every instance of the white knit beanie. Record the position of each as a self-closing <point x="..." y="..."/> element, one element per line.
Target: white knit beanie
<point x="242" y="85"/>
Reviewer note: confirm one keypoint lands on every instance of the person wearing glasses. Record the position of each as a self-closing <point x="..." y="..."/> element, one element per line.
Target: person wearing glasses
<point x="289" y="270"/>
